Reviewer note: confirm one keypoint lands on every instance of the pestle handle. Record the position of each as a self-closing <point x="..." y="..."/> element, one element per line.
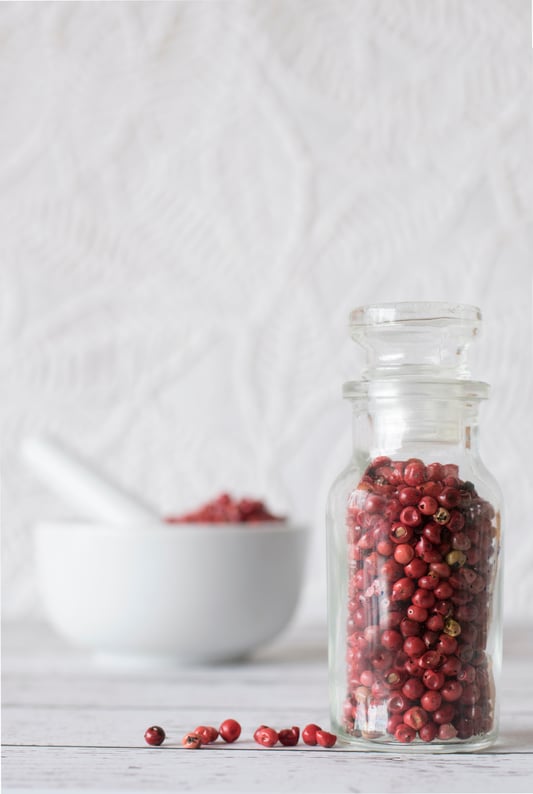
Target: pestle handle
<point x="82" y="486"/>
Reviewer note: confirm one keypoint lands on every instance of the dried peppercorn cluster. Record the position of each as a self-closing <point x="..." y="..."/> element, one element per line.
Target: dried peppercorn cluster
<point x="422" y="548"/>
<point x="224" y="509"/>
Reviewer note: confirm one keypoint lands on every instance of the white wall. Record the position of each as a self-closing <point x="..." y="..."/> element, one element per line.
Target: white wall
<point x="193" y="195"/>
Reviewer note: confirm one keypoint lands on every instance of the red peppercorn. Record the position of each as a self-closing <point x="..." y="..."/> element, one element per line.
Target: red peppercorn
<point x="435" y="623"/>
<point x="451" y="691"/>
<point x="443" y="607"/>
<point x="381" y="460"/>
<point x="412" y="669"/>
<point x="441" y="569"/>
<point x="288" y="737"/>
<point x="443" y="591"/>
<point x="390" y="570"/>
<point x="431" y="700"/>
<point x="430" y="660"/>
<point x="379" y="690"/>
<point x="427" y="505"/>
<point x="414" y="646"/>
<point x="404" y="733"/>
<point x="447" y="731"/>
<point x="230" y="730"/>
<point x="392" y="640"/>
<point x="461" y="542"/>
<point x="191" y="741"/>
<point x="374" y="503"/>
<point x="410" y="517"/>
<point x="414" y="472"/>
<point x="444" y="714"/>
<point x="435" y="471"/>
<point x="397" y="704"/>
<point x="408" y="496"/>
<point x="325" y="739"/>
<point x="401" y="533"/>
<point x="395" y="679"/>
<point x="266" y="736"/>
<point x="392" y="510"/>
<point x="402" y="589"/>
<point x="451" y="666"/>
<point x="450" y="470"/>
<point x="428" y="732"/>
<point x="413" y="688"/>
<point x="430" y="638"/>
<point x="207" y="734"/>
<point x="467" y="675"/>
<point x="409" y="628"/>
<point x="393" y="722"/>
<point x="456" y="521"/>
<point x="154" y="735"/>
<point x="431" y="488"/>
<point x="449" y="497"/>
<point x="309" y="733"/>
<point x="367" y="678"/>
<point x="424" y="599"/>
<point x="429" y="582"/>
<point x="385" y="548"/>
<point x="447" y="645"/>
<point x="416" y="568"/>
<point x="415" y="717"/>
<point x="433" y="679"/>
<point x="417" y="613"/>
<point x="404" y="553"/>
<point x="432" y="532"/>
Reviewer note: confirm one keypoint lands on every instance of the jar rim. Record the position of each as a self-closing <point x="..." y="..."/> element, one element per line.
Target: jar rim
<point x="419" y="312"/>
<point x="467" y="390"/>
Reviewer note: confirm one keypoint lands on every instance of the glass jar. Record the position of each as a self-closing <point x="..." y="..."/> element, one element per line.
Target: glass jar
<point x="414" y="542"/>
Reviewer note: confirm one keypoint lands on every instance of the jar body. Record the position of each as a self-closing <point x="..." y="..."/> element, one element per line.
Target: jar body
<point x="414" y="562"/>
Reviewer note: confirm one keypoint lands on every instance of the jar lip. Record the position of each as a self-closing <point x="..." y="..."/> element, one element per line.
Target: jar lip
<point x="399" y="387"/>
<point x="418" y="312"/>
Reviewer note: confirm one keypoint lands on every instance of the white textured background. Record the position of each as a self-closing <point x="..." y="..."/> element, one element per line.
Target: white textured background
<point x="192" y="197"/>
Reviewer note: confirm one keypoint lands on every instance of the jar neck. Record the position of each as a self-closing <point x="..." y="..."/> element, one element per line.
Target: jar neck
<point x="387" y="426"/>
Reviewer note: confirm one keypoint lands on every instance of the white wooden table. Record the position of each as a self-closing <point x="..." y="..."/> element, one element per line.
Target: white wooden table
<point x="68" y="725"/>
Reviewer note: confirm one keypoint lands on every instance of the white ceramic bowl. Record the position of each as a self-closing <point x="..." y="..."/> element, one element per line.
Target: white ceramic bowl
<point x="177" y="593"/>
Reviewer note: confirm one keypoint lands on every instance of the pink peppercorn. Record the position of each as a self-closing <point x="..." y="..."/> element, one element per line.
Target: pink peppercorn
<point x="266" y="736"/>
<point x="404" y="553"/>
<point x="309" y="733"/>
<point x="431" y="700"/>
<point x="416" y="717"/>
<point x="288" y="737"/>
<point x="419" y="614"/>
<point x="433" y="679"/>
<point x="428" y="732"/>
<point x="413" y="688"/>
<point x="405" y="734"/>
<point x="447" y="731"/>
<point x="230" y="730"/>
<point x="325" y="739"/>
<point x="410" y="517"/>
<point x="427" y="505"/>
<point x="154" y="735"/>
<point x="416" y="568"/>
<point x="403" y="589"/>
<point x="451" y="691"/>
<point x="414" y="472"/>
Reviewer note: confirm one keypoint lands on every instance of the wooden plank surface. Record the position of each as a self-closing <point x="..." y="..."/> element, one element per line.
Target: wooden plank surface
<point x="70" y="725"/>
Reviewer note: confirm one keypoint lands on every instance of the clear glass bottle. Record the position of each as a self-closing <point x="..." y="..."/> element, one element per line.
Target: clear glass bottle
<point x="414" y="543"/>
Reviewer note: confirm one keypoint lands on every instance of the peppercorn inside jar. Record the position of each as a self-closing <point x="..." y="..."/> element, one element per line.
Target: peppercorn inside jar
<point x="422" y="548"/>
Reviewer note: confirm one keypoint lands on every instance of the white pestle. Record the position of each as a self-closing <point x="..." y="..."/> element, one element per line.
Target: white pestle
<point x="80" y="484"/>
